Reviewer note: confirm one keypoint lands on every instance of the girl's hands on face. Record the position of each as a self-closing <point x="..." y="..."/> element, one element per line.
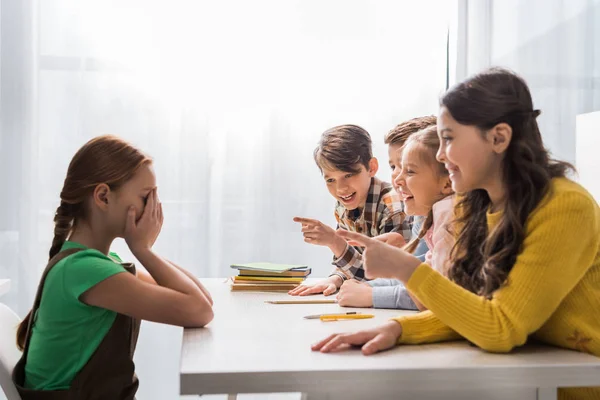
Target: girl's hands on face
<point x="141" y="235"/>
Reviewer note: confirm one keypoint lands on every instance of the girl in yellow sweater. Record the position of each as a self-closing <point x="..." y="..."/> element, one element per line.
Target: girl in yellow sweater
<point x="527" y="257"/>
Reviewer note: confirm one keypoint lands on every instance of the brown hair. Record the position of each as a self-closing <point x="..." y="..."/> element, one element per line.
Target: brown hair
<point x="104" y="159"/>
<point x="343" y="148"/>
<point x="427" y="143"/>
<point x="400" y="134"/>
<point x="482" y="260"/>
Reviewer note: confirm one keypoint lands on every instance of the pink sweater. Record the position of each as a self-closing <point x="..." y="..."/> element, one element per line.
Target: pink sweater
<point x="438" y="238"/>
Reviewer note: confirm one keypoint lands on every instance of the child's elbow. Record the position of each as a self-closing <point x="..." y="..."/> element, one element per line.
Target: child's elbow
<point x="198" y="311"/>
<point x="496" y="347"/>
<point x="206" y="317"/>
<point x="201" y="318"/>
<point x="502" y="342"/>
<point x="205" y="312"/>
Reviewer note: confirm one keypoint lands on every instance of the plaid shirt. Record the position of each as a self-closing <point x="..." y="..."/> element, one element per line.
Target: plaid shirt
<point x="383" y="212"/>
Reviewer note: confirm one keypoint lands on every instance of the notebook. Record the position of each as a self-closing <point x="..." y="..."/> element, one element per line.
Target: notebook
<point x="263" y="287"/>
<point x="298" y="272"/>
<point x="283" y="279"/>
<point x="268" y="267"/>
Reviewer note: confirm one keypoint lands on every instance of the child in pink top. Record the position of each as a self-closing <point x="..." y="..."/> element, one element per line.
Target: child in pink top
<point x="426" y="191"/>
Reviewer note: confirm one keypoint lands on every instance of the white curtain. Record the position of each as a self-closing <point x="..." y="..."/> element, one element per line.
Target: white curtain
<point x="553" y="44"/>
<point x="229" y="97"/>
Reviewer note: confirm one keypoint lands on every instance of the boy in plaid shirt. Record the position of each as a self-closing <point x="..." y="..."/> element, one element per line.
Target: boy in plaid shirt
<point x="364" y="204"/>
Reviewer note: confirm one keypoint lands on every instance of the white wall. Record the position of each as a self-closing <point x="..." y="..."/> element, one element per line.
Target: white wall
<point x="586" y="149"/>
<point x="553" y="44"/>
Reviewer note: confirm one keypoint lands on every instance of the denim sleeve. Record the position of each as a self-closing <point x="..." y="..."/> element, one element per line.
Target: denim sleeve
<point x="391" y="293"/>
<point x="384" y="282"/>
<point x="395" y="296"/>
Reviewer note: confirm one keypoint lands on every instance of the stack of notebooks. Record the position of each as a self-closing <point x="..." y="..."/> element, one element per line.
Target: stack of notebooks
<point x="267" y="277"/>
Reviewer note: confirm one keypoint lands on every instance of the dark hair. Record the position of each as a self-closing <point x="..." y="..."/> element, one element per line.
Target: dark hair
<point x="400" y="134"/>
<point x="344" y="148"/>
<point x="104" y="159"/>
<point x="482" y="260"/>
<point x="427" y="143"/>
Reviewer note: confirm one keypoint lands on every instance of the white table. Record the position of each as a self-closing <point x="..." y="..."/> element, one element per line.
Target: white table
<point x="253" y="347"/>
<point x="4" y="286"/>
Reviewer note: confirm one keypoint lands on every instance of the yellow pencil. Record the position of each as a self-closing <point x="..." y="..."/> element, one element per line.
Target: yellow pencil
<point x="333" y="317"/>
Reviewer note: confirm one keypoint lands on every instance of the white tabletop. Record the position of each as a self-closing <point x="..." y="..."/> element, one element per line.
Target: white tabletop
<point x="4" y="286"/>
<point x="253" y="347"/>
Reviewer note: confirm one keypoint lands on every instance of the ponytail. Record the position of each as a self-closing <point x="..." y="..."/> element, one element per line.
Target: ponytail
<point x="22" y="331"/>
<point x="63" y="223"/>
<point x="412" y="245"/>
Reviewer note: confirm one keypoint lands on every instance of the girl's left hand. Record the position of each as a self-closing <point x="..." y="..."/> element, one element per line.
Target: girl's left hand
<point x="380" y="260"/>
<point x="140" y="235"/>
<point x="159" y="215"/>
<point x="372" y="340"/>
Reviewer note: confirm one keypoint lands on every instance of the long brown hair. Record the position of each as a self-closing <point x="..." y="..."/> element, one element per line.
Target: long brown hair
<point x="104" y="159"/>
<point x="427" y="143"/>
<point x="482" y="260"/>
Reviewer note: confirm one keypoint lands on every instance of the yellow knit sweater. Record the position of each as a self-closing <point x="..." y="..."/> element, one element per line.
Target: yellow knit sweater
<point x="552" y="292"/>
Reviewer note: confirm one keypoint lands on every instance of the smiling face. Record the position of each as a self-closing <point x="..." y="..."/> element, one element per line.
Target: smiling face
<point x="395" y="161"/>
<point x="467" y="153"/>
<point x="350" y="188"/>
<point x="420" y="182"/>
